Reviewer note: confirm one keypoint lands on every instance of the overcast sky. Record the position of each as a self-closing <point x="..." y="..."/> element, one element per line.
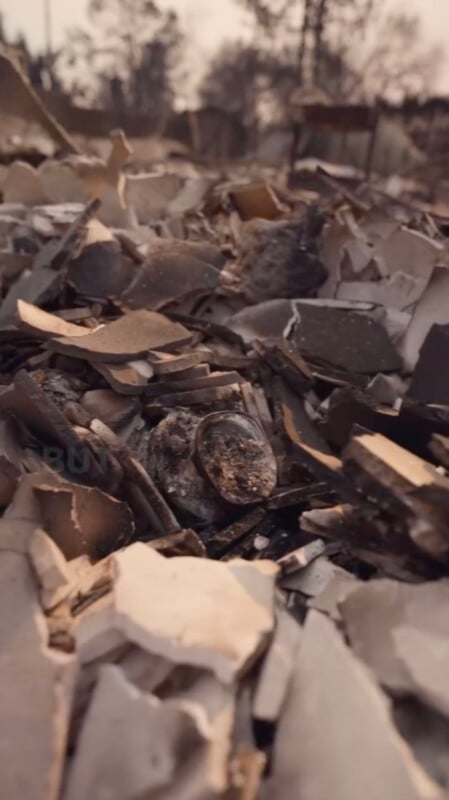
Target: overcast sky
<point x="208" y="22"/>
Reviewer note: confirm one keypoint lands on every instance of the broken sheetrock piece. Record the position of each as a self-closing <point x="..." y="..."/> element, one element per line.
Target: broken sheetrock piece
<point x="125" y="339"/>
<point x="190" y="610"/>
<point x="377" y="610"/>
<point x="400" y="291"/>
<point x="332" y="303"/>
<point x="42" y="324"/>
<point x="359" y="252"/>
<point x="395" y="322"/>
<point x="313" y="579"/>
<point x="55" y="218"/>
<point x="171" y="272"/>
<point x="37" y="286"/>
<point x="432" y="309"/>
<point x="162" y="747"/>
<point x="340" y="586"/>
<point x="211" y="380"/>
<point x="333" y="239"/>
<point x="426" y="657"/>
<point x="81" y="520"/>
<point x="277" y="668"/>
<point x="149" y="194"/>
<point x="60" y="183"/>
<point x="380" y="225"/>
<point x="191" y="196"/>
<point x="100" y="272"/>
<point x="23" y="184"/>
<point x="256" y="200"/>
<point x="125" y="379"/>
<point x="23" y="508"/>
<point x="143" y="368"/>
<point x="79" y="314"/>
<point x="217" y="702"/>
<point x="143" y="670"/>
<point x="267" y="320"/>
<point x="333" y="336"/>
<point x="334" y="709"/>
<point x="411" y="252"/>
<point x="165" y="364"/>
<point x="52" y="570"/>
<point x="36" y="686"/>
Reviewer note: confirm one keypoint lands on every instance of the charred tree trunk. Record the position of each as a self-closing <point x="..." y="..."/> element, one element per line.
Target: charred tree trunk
<point x="321" y="12"/>
<point x="303" y="45"/>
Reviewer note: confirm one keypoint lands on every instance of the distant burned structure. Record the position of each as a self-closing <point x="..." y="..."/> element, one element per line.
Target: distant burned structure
<point x="405" y="134"/>
<point x="426" y="122"/>
<point x="408" y="136"/>
<point x="208" y="132"/>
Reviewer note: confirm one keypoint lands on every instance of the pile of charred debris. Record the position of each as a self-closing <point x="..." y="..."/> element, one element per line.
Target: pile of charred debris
<point x="224" y="444"/>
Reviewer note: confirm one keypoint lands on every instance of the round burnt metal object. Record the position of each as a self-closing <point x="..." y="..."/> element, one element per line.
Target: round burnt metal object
<point x="235" y="455"/>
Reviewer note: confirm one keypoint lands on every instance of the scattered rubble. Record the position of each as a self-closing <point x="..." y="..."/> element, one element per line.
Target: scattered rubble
<point x="334" y="707"/>
<point x="224" y="455"/>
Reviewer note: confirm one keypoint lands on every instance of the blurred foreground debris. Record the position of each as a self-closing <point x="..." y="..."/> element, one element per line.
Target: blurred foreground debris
<point x="224" y="454"/>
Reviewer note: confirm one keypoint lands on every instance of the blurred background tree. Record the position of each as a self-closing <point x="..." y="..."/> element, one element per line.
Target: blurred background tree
<point x="342" y="49"/>
<point x="125" y="58"/>
<point x="40" y="67"/>
<point x="129" y="53"/>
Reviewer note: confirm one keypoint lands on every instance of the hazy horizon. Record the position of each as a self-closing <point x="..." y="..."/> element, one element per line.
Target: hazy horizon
<point x="208" y="25"/>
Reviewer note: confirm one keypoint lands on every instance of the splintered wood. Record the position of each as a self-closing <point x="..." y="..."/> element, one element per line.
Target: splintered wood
<point x="224" y="445"/>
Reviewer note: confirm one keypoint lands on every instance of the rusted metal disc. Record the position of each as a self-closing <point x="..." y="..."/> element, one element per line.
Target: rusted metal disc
<point x="236" y="457"/>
